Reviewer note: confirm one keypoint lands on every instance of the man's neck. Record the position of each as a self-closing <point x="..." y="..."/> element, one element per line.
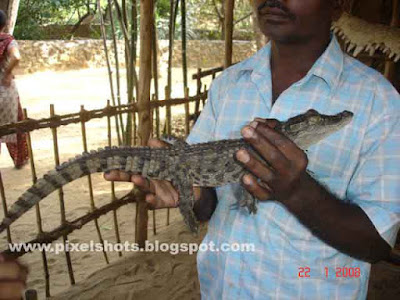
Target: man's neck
<point x="290" y="62"/>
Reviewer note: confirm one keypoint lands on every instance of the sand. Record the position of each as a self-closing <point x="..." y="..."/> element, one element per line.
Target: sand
<point x="68" y="91"/>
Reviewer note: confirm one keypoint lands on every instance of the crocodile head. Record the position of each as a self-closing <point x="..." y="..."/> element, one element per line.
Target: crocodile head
<point x="311" y="127"/>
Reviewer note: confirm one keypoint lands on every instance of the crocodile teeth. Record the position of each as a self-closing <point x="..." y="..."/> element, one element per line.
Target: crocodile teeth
<point x="372" y="51"/>
<point x="358" y="50"/>
<point x="351" y="47"/>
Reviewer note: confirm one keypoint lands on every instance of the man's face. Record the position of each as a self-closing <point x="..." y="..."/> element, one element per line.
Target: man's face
<point x="294" y="20"/>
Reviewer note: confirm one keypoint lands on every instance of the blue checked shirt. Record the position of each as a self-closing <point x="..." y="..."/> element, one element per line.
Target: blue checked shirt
<point x="359" y="164"/>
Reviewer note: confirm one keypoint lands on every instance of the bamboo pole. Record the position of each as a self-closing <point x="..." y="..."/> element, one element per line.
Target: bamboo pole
<point x="155" y="63"/>
<point x="229" y="7"/>
<point x="61" y="197"/>
<point x="62" y="120"/>
<point x="187" y="113"/>
<point x="92" y="205"/>
<point x="146" y="32"/>
<point x="168" y="125"/>
<point x="134" y="31"/>
<point x="184" y="44"/>
<point x="129" y="62"/>
<point x="132" y="66"/>
<point x="172" y="21"/>
<point x="113" y="197"/>
<point x="110" y="77"/>
<point x="204" y="92"/>
<point x="390" y="65"/>
<point x="116" y="64"/>
<point x="198" y="92"/>
<point x="167" y="128"/>
<point x="157" y="109"/>
<point x="37" y="209"/>
<point x="31" y="294"/>
<point x="4" y="203"/>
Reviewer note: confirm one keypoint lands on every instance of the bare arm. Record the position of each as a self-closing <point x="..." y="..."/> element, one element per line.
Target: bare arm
<point x="14" y="59"/>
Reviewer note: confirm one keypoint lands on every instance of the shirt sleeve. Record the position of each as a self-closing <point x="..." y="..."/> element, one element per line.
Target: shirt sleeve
<point x="203" y="130"/>
<point x="375" y="185"/>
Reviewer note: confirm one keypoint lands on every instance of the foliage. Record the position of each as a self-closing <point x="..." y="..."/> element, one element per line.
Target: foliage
<point x="204" y="17"/>
<point x="34" y="14"/>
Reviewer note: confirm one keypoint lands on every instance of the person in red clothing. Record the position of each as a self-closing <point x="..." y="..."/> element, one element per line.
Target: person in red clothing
<point x="10" y="106"/>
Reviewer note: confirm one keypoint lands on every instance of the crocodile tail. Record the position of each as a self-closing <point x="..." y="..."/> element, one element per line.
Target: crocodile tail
<point x="53" y="180"/>
<point x="138" y="160"/>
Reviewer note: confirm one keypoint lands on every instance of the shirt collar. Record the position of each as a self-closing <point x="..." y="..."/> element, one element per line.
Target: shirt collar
<point x="328" y="67"/>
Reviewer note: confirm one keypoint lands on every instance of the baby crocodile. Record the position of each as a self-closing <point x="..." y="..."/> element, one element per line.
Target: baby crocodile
<point x="207" y="164"/>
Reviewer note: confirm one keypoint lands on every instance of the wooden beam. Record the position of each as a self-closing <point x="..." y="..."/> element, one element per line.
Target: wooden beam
<point x="146" y="33"/>
<point x="229" y="7"/>
<point x="390" y="65"/>
<point x="12" y="13"/>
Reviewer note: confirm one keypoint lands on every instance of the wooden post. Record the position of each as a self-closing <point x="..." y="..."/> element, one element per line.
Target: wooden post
<point x="90" y="185"/>
<point x="110" y="76"/>
<point x="198" y="92"/>
<point x="4" y="203"/>
<point x="390" y="65"/>
<point x="113" y="196"/>
<point x="146" y="33"/>
<point x="37" y="208"/>
<point x="184" y="57"/>
<point x="61" y="197"/>
<point x="187" y="112"/>
<point x="229" y="7"/>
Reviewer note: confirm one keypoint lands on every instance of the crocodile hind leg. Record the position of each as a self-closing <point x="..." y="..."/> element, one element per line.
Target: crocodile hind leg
<point x="186" y="201"/>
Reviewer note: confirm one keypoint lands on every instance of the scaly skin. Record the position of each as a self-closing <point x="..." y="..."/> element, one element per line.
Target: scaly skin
<point x="208" y="164"/>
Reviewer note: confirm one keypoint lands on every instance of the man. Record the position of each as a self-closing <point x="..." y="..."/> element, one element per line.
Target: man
<point x="314" y="235"/>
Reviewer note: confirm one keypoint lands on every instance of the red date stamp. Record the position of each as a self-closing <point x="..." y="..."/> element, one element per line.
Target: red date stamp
<point x="345" y="272"/>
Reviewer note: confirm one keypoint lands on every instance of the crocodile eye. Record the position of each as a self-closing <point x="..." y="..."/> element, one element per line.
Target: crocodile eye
<point x="313" y="120"/>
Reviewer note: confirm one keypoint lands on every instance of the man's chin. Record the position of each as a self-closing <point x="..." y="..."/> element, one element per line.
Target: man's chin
<point x="282" y="36"/>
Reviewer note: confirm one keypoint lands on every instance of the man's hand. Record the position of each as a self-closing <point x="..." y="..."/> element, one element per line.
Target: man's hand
<point x="287" y="163"/>
<point x="159" y="193"/>
<point x="13" y="277"/>
<point x="285" y="179"/>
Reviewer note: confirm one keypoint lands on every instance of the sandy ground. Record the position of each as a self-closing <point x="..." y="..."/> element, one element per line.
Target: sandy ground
<point x="68" y="91"/>
<point x="136" y="275"/>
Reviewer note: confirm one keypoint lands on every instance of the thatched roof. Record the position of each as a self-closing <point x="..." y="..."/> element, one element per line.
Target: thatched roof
<point x="364" y="26"/>
<point x="360" y="35"/>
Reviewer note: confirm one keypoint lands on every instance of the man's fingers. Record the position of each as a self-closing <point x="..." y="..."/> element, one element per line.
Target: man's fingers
<point x="156" y="143"/>
<point x="268" y="150"/>
<point x="116" y="175"/>
<point x="269" y="122"/>
<point x="261" y="193"/>
<point x="260" y="170"/>
<point x="144" y="184"/>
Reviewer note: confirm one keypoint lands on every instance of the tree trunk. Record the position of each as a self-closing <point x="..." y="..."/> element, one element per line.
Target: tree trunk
<point x="10" y="7"/>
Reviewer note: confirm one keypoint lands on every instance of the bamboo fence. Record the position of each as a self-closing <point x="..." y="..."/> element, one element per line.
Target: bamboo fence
<point x="55" y="121"/>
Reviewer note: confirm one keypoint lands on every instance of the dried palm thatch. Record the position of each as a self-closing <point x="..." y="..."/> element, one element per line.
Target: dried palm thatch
<point x="360" y="35"/>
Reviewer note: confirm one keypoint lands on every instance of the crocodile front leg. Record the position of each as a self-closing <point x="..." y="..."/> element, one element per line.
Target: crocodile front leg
<point x="249" y="201"/>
